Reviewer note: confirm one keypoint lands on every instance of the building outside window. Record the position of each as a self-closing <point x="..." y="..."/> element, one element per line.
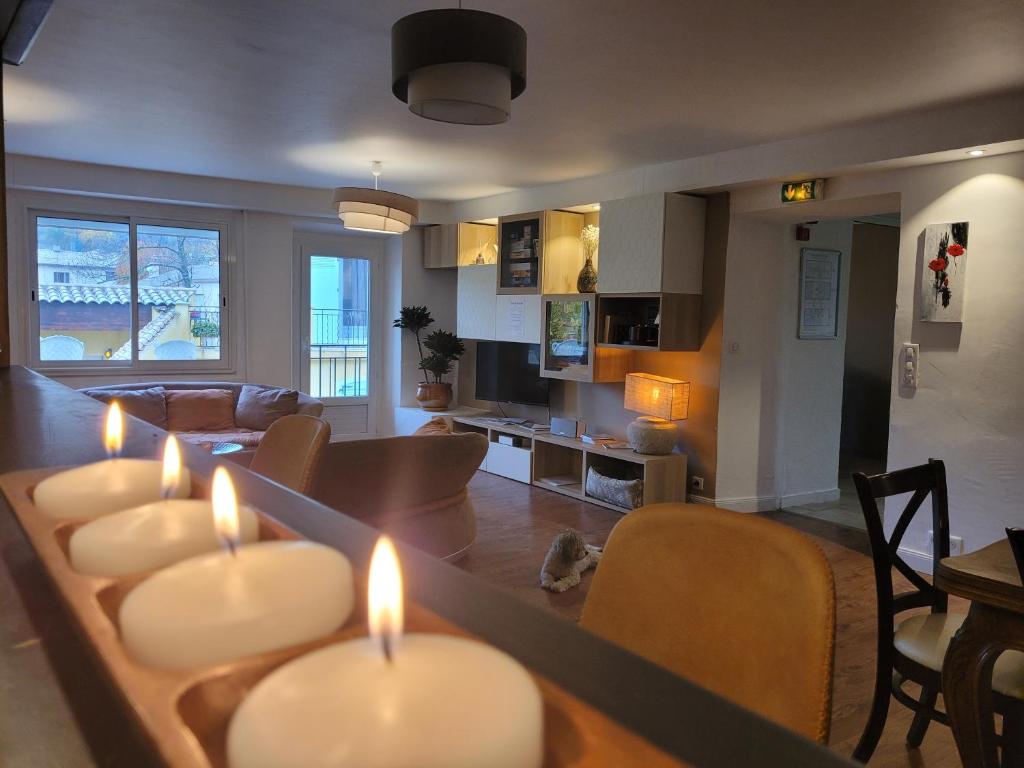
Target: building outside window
<point x="98" y="303"/>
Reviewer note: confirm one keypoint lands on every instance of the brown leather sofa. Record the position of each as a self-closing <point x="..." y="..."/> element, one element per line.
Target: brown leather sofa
<point x="412" y="487"/>
<point x="248" y="438"/>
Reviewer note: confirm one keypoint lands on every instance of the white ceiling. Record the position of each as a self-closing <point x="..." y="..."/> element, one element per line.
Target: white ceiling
<point x="299" y="92"/>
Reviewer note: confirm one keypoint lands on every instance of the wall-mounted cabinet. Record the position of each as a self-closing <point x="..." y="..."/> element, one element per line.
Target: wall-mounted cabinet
<point x="657" y="322"/>
<point x="569" y="350"/>
<point x="539" y="252"/>
<point x="476" y="305"/>
<point x="517" y="318"/>
<point x="652" y="244"/>
<point x="520" y="244"/>
<point x="563" y="250"/>
<point x="459" y="245"/>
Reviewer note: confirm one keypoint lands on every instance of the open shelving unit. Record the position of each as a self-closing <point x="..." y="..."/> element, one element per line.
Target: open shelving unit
<point x="560" y="464"/>
<point x="656" y="322"/>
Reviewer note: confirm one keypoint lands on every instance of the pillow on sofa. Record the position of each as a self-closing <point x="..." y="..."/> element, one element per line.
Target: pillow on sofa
<point x="146" y="404"/>
<point x="258" y="408"/>
<point x="436" y="426"/>
<point x="200" y="410"/>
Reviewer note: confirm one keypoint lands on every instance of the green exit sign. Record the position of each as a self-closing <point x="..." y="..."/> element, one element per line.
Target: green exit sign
<point x="802" y="191"/>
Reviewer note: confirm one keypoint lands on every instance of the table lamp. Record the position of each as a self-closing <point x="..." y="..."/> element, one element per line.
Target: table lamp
<point x="664" y="401"/>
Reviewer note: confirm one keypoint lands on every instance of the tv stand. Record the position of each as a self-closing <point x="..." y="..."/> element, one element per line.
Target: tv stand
<point x="560" y="464"/>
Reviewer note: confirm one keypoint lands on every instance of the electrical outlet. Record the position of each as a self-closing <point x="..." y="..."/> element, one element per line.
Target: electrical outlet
<point x="956" y="543"/>
<point x="697" y="483"/>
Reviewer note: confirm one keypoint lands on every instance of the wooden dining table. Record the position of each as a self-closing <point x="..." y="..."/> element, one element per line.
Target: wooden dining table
<point x="989" y="578"/>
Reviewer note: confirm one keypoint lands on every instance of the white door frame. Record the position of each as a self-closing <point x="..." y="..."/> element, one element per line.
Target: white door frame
<point x="308" y="244"/>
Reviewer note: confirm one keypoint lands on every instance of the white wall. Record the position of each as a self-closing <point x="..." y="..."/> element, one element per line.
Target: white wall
<point x="810" y="378"/>
<point x="747" y="404"/>
<point x="969" y="409"/>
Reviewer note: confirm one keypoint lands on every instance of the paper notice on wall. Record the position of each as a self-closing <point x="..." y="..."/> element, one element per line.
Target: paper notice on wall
<point x="516" y="324"/>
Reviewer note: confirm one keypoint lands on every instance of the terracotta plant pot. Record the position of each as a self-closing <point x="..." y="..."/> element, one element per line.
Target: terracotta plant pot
<point x="433" y="397"/>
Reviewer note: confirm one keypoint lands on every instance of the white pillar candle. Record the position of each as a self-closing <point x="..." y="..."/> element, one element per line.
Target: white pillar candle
<point x="432" y="701"/>
<point x="225" y="606"/>
<point x="107" y="486"/>
<point x="152" y="536"/>
<point x="104" y="487"/>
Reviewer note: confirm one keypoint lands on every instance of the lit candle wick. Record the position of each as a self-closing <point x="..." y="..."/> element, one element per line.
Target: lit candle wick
<point x="114" y="435"/>
<point x="171" y="473"/>
<point x="384" y="597"/>
<point x="225" y="510"/>
<point x="385" y="638"/>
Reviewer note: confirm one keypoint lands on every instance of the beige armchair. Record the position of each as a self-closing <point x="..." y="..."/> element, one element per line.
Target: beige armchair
<point x="413" y="488"/>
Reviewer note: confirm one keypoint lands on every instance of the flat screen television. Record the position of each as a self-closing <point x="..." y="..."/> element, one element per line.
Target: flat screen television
<point x="509" y="372"/>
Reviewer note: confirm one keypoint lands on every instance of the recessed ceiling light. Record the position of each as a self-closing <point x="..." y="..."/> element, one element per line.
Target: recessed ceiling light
<point x="976" y="152"/>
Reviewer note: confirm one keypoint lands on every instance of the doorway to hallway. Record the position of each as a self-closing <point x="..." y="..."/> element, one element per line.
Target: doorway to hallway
<point x="867" y="365"/>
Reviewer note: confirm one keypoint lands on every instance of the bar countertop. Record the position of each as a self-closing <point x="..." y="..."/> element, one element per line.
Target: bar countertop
<point x="57" y="706"/>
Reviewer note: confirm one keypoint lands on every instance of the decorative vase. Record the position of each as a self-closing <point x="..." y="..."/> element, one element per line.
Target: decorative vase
<point x="433" y="397"/>
<point x="587" y="280"/>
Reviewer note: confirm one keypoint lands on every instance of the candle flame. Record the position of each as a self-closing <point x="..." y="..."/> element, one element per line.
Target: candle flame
<point x="171" y="475"/>
<point x="385" y="596"/>
<point x="225" y="509"/>
<point x="114" y="436"/>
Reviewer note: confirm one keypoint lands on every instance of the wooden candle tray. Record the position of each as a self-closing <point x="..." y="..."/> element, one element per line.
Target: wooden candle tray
<point x="185" y="713"/>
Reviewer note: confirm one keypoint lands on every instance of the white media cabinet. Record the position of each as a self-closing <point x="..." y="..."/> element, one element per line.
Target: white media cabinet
<point x="560" y="464"/>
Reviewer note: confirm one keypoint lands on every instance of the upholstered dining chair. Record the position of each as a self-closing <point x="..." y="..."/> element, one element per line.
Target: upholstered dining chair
<point x="291" y="451"/>
<point x="741" y="605"/>
<point x="915" y="648"/>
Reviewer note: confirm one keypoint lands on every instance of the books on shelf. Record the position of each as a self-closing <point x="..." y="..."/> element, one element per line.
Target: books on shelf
<point x="616" y="445"/>
<point x="598" y="438"/>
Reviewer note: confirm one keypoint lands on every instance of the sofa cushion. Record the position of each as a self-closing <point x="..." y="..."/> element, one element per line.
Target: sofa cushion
<point x="200" y="410"/>
<point x="146" y="404"/>
<point x="436" y="426"/>
<point x="247" y="438"/>
<point x="258" y="407"/>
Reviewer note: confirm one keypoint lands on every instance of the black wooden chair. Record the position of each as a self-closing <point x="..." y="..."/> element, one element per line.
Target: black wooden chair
<point x="914" y="649"/>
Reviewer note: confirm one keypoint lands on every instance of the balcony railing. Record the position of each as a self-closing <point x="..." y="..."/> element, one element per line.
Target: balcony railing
<point x="338" y="353"/>
<point x="205" y="325"/>
<point x="338" y="326"/>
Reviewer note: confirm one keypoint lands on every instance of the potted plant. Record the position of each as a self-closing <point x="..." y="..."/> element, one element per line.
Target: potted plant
<point x="444" y="347"/>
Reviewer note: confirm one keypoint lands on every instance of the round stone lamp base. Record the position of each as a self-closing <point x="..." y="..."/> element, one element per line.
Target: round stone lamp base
<point x="651" y="435"/>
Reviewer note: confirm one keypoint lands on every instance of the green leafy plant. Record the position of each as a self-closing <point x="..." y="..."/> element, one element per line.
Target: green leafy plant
<point x="205" y="329"/>
<point x="445" y="348"/>
<point x="415" y="320"/>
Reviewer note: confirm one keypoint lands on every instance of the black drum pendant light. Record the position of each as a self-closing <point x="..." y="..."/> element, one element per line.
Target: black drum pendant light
<point x="458" y="66"/>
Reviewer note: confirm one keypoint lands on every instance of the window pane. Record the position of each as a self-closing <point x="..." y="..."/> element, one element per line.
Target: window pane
<point x="179" y="293"/>
<point x="339" y="293"/>
<point x="85" y="310"/>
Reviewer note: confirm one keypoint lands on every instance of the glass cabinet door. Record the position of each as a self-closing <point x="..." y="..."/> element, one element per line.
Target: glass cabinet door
<point x="520" y="255"/>
<point x="568" y="337"/>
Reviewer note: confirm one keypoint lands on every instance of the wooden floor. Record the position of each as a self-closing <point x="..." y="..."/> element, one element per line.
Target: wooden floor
<point x="517" y="523"/>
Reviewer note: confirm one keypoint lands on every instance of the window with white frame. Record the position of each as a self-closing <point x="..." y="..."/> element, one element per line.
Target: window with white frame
<point x="126" y="292"/>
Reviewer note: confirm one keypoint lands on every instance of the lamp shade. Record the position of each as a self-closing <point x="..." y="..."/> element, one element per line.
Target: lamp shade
<point x="657" y="396"/>
<point x="457" y="65"/>
<point x="372" y="210"/>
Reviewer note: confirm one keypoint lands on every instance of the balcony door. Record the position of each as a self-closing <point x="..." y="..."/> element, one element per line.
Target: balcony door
<point x="338" y="364"/>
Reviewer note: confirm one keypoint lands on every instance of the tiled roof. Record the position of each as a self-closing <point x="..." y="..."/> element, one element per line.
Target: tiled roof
<point x="147" y="334"/>
<point x="113" y="294"/>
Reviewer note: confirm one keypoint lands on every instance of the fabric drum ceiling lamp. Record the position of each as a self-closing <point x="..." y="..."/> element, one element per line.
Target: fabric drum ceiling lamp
<point x="664" y="400"/>
<point x="458" y="66"/>
<point x="375" y="210"/>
